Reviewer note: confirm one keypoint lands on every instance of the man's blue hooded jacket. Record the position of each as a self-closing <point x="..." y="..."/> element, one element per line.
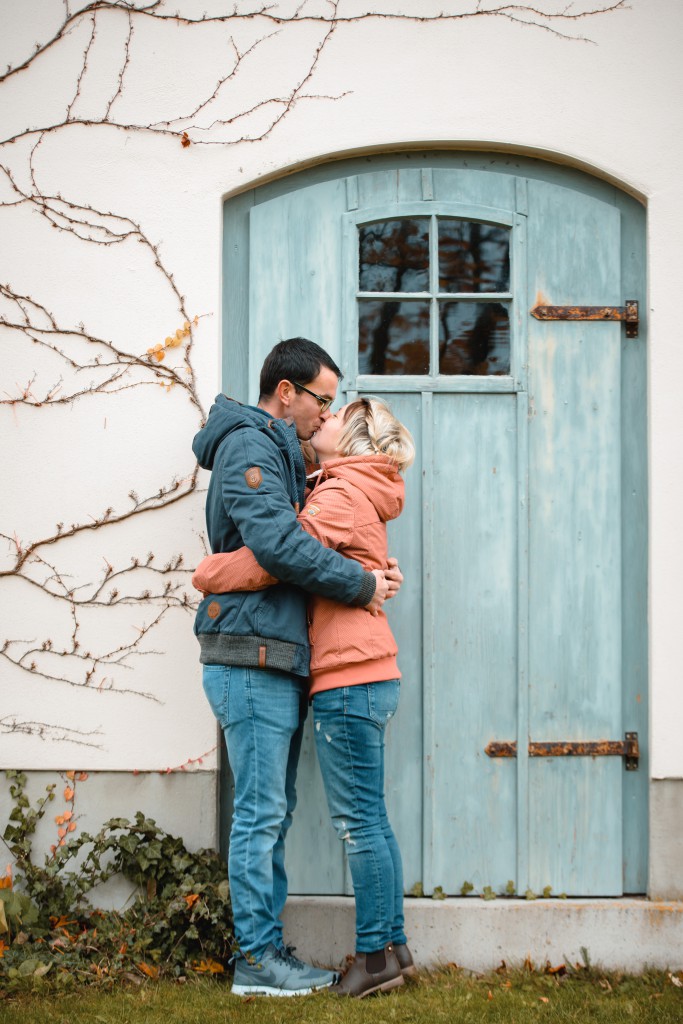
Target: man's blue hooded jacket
<point x="257" y="485"/>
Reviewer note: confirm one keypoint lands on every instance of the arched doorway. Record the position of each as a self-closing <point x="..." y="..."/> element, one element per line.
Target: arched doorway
<point x="522" y="621"/>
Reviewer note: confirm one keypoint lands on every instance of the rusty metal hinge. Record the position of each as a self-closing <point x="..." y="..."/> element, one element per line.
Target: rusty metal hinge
<point x="627" y="748"/>
<point x="628" y="313"/>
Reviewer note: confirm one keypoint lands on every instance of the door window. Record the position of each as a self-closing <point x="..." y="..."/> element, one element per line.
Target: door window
<point x="433" y="297"/>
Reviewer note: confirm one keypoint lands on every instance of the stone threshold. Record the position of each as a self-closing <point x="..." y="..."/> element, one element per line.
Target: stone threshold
<point x="627" y="933"/>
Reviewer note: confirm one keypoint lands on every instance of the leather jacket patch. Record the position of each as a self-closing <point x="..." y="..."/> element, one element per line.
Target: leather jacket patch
<point x="253" y="477"/>
<point x="214" y="610"/>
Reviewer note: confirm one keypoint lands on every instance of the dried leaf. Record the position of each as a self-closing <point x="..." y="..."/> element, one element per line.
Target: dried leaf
<point x="208" y="966"/>
<point x="149" y="970"/>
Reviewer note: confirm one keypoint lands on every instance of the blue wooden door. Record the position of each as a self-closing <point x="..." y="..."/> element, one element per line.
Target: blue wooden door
<point x="518" y="611"/>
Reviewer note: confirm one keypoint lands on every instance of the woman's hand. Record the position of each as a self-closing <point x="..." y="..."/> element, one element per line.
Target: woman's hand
<point x="393" y="576"/>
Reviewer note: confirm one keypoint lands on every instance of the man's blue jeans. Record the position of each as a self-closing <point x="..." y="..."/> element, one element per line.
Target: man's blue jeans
<point x="350" y="724"/>
<point x="262" y="715"/>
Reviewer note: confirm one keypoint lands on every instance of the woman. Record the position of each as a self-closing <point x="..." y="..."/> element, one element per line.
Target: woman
<point x="362" y="450"/>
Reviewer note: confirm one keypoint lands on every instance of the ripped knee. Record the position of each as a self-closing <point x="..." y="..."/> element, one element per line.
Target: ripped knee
<point x="343" y="831"/>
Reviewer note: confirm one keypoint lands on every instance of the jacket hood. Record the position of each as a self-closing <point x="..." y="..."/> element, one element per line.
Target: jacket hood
<point x="376" y="476"/>
<point x="227" y="415"/>
<point x="224" y="416"/>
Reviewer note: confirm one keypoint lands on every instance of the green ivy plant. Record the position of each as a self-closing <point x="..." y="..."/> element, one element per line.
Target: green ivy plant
<point x="180" y="921"/>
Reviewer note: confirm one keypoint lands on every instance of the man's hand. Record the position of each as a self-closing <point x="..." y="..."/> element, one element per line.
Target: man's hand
<point x="381" y="591"/>
<point x="394" y="577"/>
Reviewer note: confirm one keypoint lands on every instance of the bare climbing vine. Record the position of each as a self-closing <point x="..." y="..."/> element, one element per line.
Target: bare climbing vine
<point x="236" y="106"/>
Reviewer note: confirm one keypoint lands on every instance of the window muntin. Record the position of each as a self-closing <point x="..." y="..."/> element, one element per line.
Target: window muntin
<point x="433" y="297"/>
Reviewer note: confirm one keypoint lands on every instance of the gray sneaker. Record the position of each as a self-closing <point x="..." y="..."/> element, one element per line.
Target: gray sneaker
<point x="278" y="973"/>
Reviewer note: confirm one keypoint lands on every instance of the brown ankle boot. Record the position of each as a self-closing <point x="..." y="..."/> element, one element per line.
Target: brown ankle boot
<point x="405" y="961"/>
<point x="359" y="981"/>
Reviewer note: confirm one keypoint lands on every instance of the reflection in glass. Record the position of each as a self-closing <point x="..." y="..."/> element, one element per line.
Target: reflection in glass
<point x="393" y="337"/>
<point x="394" y="255"/>
<point x="474" y="338"/>
<point x="473" y="257"/>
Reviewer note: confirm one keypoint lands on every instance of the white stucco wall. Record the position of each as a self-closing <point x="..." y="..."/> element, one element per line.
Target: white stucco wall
<point x="610" y="105"/>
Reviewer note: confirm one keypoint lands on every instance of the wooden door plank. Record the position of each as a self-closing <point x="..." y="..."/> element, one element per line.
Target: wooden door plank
<point x="404" y="749"/>
<point x="295" y="271"/>
<point x="575" y="545"/>
<point x="474" y="640"/>
<point x="634" y="545"/>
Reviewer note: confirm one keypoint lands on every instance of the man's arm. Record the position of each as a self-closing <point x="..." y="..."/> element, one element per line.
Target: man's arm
<point x="331" y="522"/>
<point x="256" y="498"/>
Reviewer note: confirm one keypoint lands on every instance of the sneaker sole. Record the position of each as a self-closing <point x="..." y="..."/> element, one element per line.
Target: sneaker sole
<point x="267" y="990"/>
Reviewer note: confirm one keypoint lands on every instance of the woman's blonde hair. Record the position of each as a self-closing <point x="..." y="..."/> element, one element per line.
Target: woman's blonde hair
<point x="370" y="428"/>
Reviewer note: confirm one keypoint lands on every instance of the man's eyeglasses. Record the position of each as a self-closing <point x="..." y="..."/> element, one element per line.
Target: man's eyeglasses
<point x="325" y="403"/>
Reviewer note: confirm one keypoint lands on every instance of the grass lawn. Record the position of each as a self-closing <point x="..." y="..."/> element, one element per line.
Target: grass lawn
<point x="447" y="995"/>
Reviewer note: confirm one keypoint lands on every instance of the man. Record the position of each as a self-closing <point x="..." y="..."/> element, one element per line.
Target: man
<point x="254" y="646"/>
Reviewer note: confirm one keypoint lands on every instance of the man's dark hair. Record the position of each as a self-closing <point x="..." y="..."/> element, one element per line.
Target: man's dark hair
<point x="296" y="359"/>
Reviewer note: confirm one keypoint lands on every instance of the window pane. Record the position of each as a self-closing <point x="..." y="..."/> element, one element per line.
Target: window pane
<point x="474" y="338"/>
<point x="393" y="337"/>
<point x="473" y="257"/>
<point x="394" y="256"/>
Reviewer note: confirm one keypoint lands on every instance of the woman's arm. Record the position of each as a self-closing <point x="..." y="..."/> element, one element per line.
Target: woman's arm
<point x="234" y="570"/>
<point x="327" y="516"/>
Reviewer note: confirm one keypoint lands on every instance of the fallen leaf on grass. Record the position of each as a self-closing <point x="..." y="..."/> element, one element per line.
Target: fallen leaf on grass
<point x="151" y="972"/>
<point x="208" y="966"/>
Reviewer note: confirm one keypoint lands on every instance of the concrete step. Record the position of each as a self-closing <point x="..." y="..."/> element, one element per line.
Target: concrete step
<point x="628" y="934"/>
